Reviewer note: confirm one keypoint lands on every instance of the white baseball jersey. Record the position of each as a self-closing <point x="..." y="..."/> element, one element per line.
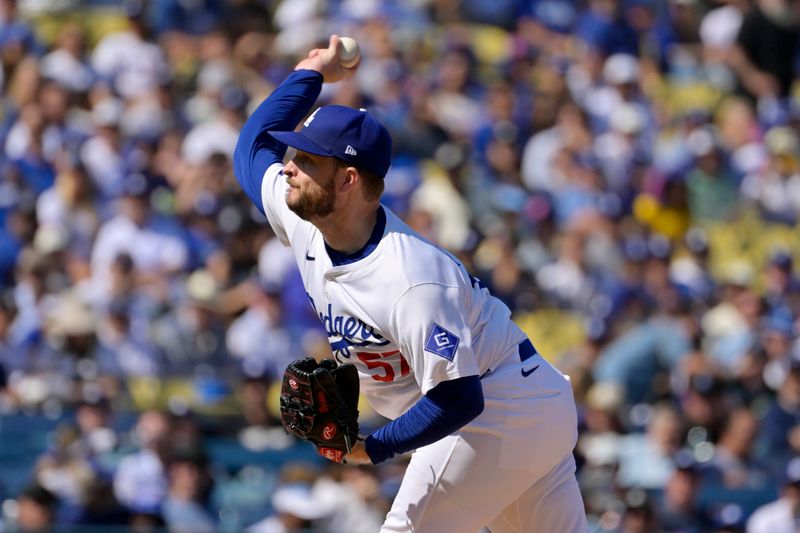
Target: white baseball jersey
<point x="408" y="315"/>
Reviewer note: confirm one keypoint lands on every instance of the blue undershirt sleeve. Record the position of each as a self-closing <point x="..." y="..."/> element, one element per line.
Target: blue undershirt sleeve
<point x="256" y="150"/>
<point x="447" y="407"/>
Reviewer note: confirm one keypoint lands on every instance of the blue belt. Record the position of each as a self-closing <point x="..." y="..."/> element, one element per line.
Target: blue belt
<point x="525" y="350"/>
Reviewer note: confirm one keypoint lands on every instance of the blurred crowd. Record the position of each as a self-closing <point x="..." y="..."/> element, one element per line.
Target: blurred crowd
<point x="623" y="174"/>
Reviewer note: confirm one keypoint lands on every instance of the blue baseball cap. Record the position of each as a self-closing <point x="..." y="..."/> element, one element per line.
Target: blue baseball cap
<point x="352" y="135"/>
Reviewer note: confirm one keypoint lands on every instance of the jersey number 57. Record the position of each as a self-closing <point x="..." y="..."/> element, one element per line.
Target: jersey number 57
<point x="386" y="370"/>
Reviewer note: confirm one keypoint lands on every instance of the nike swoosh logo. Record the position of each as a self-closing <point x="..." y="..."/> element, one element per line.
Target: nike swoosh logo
<point x="309" y="258"/>
<point x="526" y="373"/>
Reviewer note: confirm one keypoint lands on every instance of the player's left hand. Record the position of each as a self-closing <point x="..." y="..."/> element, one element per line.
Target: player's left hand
<point x="319" y="403"/>
<point x="358" y="455"/>
<point x="327" y="62"/>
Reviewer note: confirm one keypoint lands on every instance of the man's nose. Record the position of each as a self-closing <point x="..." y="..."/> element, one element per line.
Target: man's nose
<point x="289" y="168"/>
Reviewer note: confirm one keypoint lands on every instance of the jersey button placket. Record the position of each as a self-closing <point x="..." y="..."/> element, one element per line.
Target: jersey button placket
<point x="325" y="282"/>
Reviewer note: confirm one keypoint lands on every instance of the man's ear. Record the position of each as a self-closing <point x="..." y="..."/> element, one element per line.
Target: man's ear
<point x="351" y="178"/>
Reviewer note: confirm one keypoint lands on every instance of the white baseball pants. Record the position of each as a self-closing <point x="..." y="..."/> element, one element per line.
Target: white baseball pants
<point x="510" y="469"/>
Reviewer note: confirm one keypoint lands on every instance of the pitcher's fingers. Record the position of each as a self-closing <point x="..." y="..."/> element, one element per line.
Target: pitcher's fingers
<point x="334" y="43"/>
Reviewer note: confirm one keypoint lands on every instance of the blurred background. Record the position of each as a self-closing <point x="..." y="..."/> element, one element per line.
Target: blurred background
<point x="623" y="174"/>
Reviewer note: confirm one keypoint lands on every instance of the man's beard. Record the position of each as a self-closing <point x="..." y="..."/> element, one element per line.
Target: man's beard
<point x="316" y="203"/>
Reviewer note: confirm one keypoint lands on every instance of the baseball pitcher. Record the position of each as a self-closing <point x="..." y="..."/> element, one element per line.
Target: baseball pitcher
<point x="493" y="425"/>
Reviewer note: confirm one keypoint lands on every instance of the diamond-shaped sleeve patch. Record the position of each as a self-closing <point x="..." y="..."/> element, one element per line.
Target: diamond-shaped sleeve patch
<point x="441" y="342"/>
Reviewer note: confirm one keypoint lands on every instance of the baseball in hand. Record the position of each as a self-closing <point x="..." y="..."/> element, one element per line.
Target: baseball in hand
<point x="349" y="54"/>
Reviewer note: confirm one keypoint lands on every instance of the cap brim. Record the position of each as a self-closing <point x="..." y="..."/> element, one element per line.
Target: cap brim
<point x="300" y="142"/>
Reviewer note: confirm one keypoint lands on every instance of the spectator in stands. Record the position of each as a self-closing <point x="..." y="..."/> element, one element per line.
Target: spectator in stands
<point x="711" y="184"/>
<point x="101" y="154"/>
<point x="295" y="510"/>
<point x="781" y="285"/>
<point x="128" y="60"/>
<point x="780" y="428"/>
<point x="66" y="64"/>
<point x="733" y="465"/>
<point x="10" y="351"/>
<point x="678" y="509"/>
<point x="767" y="47"/>
<point x="66" y="472"/>
<point x="184" y="507"/>
<point x="782" y="514"/>
<point x="140" y="481"/>
<point x="258" y="337"/>
<point x="36" y="509"/>
<point x="150" y="240"/>
<point x="261" y="430"/>
<point x="775" y="189"/>
<point x="731" y="327"/>
<point x="122" y="352"/>
<point x="16" y="36"/>
<point x="93" y="417"/>
<point x="351" y="498"/>
<point x="636" y="356"/>
<point x="70" y="208"/>
<point x="193" y="333"/>
<point x="645" y="460"/>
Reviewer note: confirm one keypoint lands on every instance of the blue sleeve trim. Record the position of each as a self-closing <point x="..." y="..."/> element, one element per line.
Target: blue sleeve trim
<point x="256" y="150"/>
<point x="446" y="408"/>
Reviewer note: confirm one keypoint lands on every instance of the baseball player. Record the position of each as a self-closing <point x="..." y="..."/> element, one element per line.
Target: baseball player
<point x="492" y="423"/>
